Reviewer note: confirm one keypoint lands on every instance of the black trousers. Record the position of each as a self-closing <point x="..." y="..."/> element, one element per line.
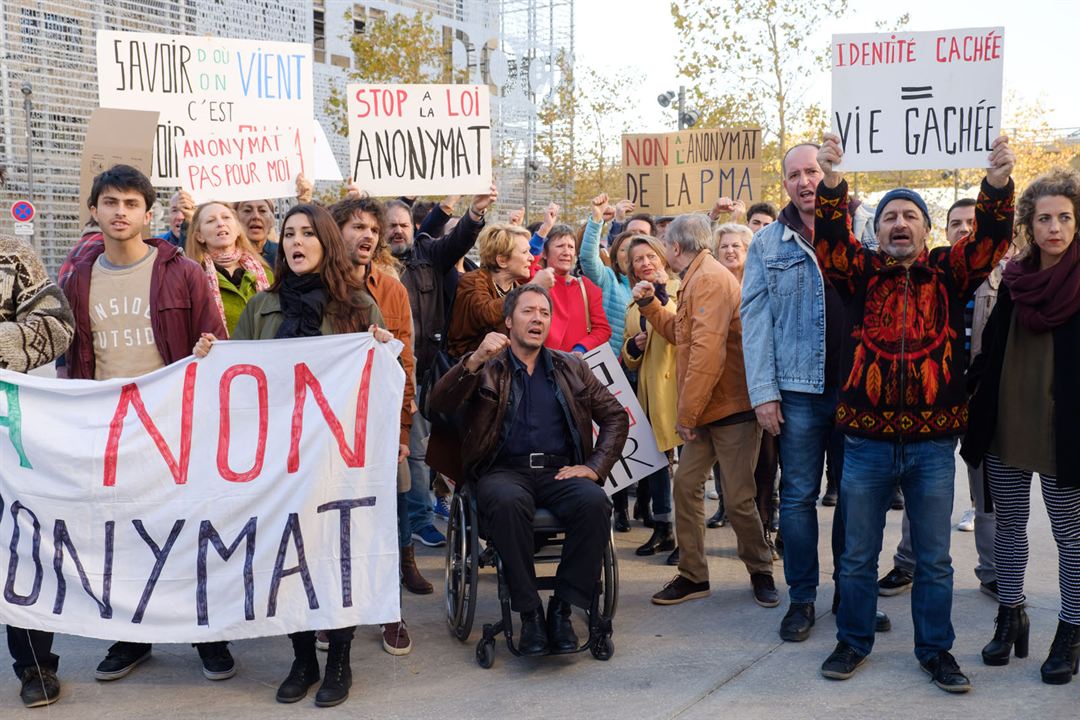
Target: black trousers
<point x="507" y="500"/>
<point x="31" y="648"/>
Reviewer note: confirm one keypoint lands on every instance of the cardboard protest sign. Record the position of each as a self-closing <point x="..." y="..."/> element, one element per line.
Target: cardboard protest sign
<point x="640" y="456"/>
<point x="114" y="137"/>
<point x="687" y="171"/>
<point x="207" y="87"/>
<point x="917" y="100"/>
<point x="249" y="493"/>
<point x="420" y="139"/>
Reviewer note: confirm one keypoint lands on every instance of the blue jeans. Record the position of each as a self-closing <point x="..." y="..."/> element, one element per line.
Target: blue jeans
<point x="804" y="438"/>
<point x="660" y="492"/>
<point x="419" y="496"/>
<point x="926" y="472"/>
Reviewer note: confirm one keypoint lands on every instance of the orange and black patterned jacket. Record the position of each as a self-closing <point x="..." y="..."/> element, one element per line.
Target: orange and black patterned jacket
<point x="904" y="345"/>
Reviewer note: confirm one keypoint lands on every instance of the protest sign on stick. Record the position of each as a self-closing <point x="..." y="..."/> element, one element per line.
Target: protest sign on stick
<point x="208" y="87"/>
<point x="640" y="456"/>
<point x="249" y="493"/>
<point x="420" y="139"/>
<point x="114" y="137"/>
<point x="687" y="171"/>
<point x="917" y="100"/>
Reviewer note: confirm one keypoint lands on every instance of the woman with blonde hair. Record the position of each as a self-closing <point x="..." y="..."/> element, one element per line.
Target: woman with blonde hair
<point x="505" y="262"/>
<point x="1023" y="416"/>
<point x="234" y="270"/>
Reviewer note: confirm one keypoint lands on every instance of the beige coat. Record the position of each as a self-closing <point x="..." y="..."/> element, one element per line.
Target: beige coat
<point x="657" y="390"/>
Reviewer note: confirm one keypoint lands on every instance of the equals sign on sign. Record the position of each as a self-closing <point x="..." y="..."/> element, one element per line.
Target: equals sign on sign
<point x="916" y="92"/>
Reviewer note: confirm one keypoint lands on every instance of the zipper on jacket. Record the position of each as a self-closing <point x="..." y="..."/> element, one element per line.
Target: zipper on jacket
<point x="903" y="362"/>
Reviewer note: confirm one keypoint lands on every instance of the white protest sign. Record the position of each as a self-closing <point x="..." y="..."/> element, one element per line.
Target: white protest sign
<point x="249" y="493"/>
<point x="420" y="139"/>
<point x="917" y="100"/>
<point x="326" y="165"/>
<point x="640" y="456"/>
<point x="208" y="87"/>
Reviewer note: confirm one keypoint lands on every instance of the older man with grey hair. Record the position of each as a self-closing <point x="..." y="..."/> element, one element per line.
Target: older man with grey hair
<point x="715" y="419"/>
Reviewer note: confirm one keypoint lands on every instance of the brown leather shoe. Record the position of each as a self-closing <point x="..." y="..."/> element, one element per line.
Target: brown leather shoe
<point x="411" y="578"/>
<point x="395" y="638"/>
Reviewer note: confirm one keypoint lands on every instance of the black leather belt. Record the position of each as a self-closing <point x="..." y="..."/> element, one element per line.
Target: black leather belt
<point x="533" y="461"/>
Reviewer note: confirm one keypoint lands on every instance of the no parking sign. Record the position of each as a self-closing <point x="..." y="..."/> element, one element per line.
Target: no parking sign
<point x="22" y="211"/>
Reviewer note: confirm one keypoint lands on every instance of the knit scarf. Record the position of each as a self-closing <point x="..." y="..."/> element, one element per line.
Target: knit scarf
<point x="250" y="263"/>
<point x="303" y="301"/>
<point x="1045" y="298"/>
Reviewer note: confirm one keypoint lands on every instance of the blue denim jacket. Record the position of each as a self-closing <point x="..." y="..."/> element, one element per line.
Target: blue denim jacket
<point x="783" y="316"/>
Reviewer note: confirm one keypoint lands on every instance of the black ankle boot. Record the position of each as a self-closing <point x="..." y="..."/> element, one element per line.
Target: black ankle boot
<point x="304" y="672"/>
<point x="622" y="522"/>
<point x="718" y="519"/>
<point x="1062" y="663"/>
<point x="1010" y="634"/>
<point x="662" y="540"/>
<point x="338" y="678"/>
<point x="560" y="629"/>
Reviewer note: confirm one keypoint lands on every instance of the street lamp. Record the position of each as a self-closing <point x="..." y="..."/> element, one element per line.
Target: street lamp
<point x="27" y="91"/>
<point x="688" y="117"/>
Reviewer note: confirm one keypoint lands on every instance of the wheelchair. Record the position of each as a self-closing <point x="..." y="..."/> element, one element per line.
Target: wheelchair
<point x="465" y="557"/>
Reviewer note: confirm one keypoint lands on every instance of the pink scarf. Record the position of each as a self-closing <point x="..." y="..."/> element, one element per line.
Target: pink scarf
<point x="250" y="263"/>
<point x="1045" y="298"/>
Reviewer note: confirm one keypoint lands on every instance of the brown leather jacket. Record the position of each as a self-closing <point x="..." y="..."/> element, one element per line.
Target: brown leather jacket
<point x="477" y="402"/>
<point x="707" y="335"/>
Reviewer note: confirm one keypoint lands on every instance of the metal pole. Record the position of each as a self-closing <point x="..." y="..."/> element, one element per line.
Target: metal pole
<point x="528" y="161"/>
<point x="682" y="104"/>
<point x="28" y="105"/>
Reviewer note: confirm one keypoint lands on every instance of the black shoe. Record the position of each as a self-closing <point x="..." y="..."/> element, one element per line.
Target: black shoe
<point x="795" y="627"/>
<point x="1010" y="633"/>
<point x="302" y="675"/>
<point x="774" y="517"/>
<point x="217" y="661"/>
<point x="765" y="593"/>
<point x="534" y="638"/>
<point x="662" y="540"/>
<point x="718" y="519"/>
<point x="1064" y="657"/>
<point x="898" y="504"/>
<point x="778" y="540"/>
<point x="122" y="658"/>
<point x="989" y="588"/>
<point x="560" y="630"/>
<point x="842" y="663"/>
<point x="673" y="558"/>
<point x="897" y="581"/>
<point x="946" y="673"/>
<point x="622" y="523"/>
<point x="882" y="623"/>
<point x="39" y="688"/>
<point x="829" y="498"/>
<point x="338" y="676"/>
<point x="643" y="513"/>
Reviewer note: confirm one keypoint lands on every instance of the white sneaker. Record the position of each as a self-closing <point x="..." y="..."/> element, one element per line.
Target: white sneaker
<point x="712" y="494"/>
<point x="967" y="522"/>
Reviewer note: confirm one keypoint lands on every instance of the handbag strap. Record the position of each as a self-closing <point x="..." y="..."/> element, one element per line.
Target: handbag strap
<point x="585" y="300"/>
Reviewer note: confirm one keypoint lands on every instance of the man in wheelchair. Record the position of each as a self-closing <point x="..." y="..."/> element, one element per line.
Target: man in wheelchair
<point x="525" y="415"/>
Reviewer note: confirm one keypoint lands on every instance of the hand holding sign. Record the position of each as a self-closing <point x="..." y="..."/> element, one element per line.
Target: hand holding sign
<point x="830" y="154"/>
<point x="1002" y="160"/>
<point x="481" y="203"/>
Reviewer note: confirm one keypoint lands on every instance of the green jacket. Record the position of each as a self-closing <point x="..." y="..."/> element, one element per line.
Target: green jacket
<point x="262" y="317"/>
<point x="233" y="298"/>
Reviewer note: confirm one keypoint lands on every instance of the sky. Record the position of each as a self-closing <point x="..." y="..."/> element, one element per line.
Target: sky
<point x="639" y="36"/>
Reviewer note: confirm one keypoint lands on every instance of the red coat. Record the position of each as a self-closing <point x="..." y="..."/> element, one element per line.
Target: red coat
<point x="568" y="316"/>
<point x="180" y="307"/>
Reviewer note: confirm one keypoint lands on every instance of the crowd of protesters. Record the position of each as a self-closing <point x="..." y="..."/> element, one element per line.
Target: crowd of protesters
<point x="766" y="348"/>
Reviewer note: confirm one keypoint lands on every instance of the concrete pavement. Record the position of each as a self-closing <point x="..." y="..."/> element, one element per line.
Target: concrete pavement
<point x="716" y="657"/>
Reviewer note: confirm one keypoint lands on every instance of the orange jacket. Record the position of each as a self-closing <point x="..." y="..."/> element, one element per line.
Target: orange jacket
<point x="707" y="335"/>
<point x="393" y="301"/>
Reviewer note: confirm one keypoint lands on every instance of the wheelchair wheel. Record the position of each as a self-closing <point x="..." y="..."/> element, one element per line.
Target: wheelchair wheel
<point x="462" y="557"/>
<point x="485" y="654"/>
<point x="609" y="590"/>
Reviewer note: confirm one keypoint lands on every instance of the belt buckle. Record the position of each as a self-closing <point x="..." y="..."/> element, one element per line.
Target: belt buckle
<point x="532" y="457"/>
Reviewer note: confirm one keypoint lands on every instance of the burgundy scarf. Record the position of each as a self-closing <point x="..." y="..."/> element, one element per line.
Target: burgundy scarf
<point x="1045" y="298"/>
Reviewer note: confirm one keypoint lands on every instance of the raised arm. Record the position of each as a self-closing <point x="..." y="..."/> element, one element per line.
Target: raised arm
<point x="447" y="250"/>
<point x="841" y="256"/>
<point x="591" y="265"/>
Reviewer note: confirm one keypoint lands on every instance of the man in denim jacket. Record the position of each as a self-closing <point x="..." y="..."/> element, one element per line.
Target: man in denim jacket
<point x="792" y="335"/>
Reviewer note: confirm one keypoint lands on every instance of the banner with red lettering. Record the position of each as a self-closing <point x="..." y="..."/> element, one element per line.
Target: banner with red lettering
<point x="249" y="493"/>
<point x="420" y="139"/>
<point x="917" y="100"/>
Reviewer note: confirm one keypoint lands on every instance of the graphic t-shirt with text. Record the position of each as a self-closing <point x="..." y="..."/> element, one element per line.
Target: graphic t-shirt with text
<point x="120" y="318"/>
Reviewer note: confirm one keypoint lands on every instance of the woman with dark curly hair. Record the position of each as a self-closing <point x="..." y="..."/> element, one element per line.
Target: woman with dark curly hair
<point x="1024" y="415"/>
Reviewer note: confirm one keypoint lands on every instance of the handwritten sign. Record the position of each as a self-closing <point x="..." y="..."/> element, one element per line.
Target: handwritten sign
<point x="249" y="493"/>
<point x="420" y="139"/>
<point x="687" y="171"/>
<point x="640" y="456"/>
<point x="207" y="87"/>
<point x="917" y="100"/>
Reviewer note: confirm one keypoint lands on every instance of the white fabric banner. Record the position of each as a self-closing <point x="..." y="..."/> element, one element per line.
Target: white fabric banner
<point x="249" y="493"/>
<point x="640" y="456"/>
<point x="917" y="100"/>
